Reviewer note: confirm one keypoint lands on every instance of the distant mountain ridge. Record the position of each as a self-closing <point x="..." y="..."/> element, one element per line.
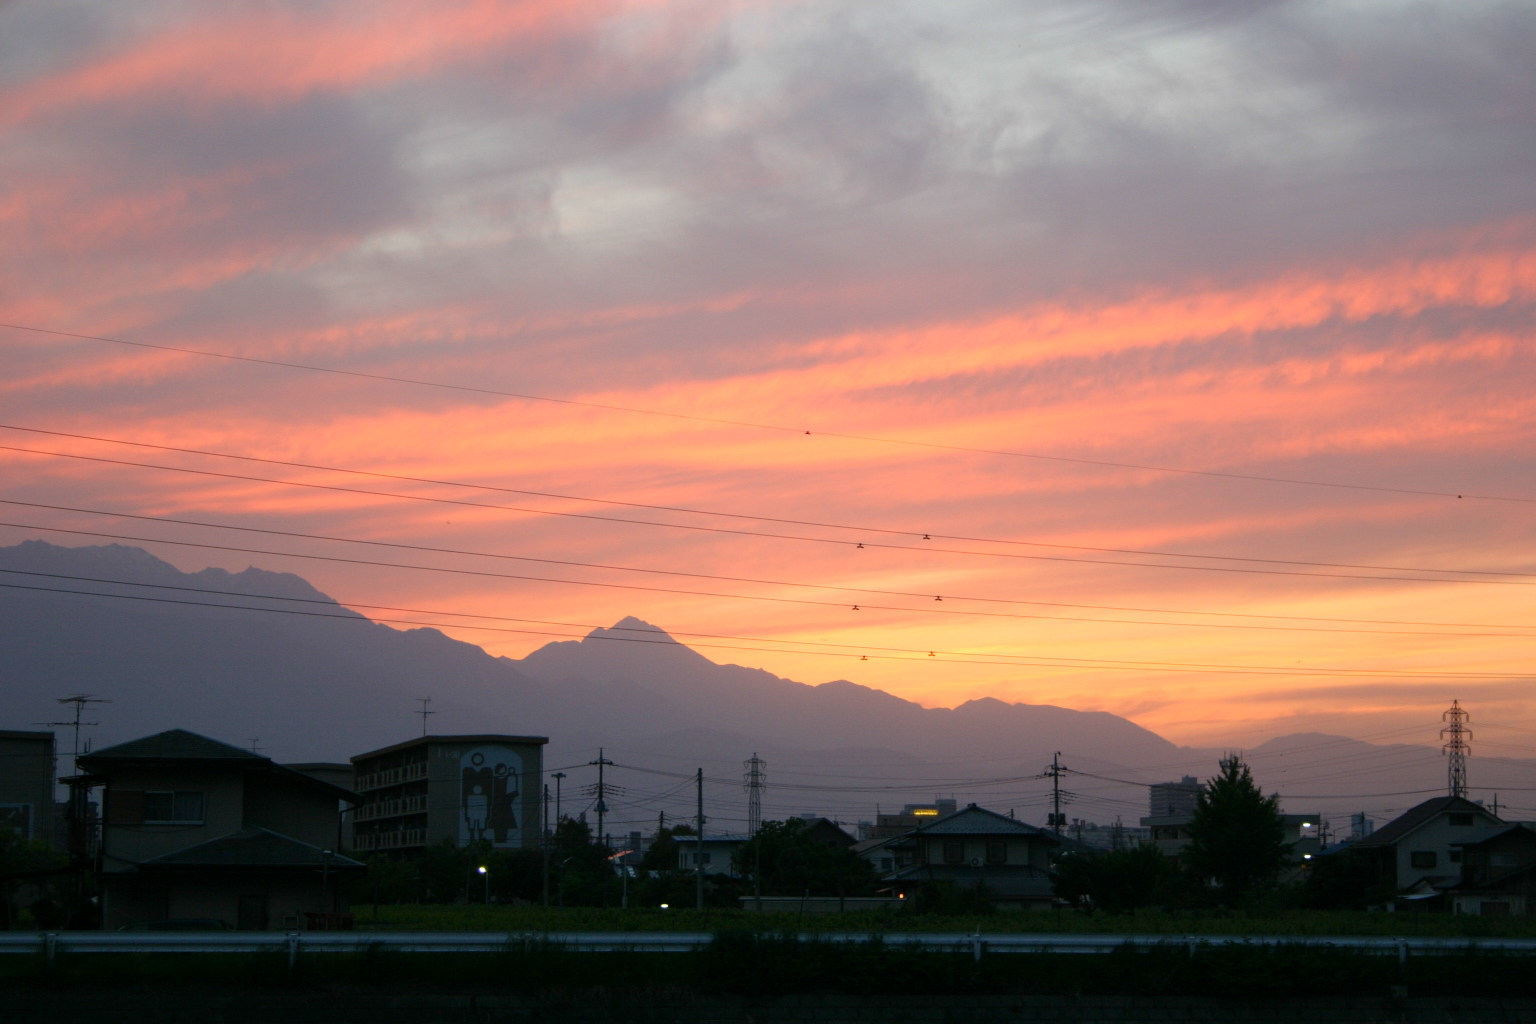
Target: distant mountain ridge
<point x="329" y="683"/>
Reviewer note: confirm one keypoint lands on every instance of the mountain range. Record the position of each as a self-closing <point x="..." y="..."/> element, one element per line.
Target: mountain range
<point x="264" y="659"/>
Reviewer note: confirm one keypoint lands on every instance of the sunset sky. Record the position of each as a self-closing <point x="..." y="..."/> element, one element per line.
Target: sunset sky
<point x="1172" y="358"/>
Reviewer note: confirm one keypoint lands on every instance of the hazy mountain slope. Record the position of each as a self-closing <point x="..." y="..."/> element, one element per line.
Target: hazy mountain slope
<point x="328" y="684"/>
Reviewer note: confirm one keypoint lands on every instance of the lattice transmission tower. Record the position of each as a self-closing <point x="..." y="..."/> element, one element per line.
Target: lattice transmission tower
<point x="1456" y="736"/>
<point x="753" y="778"/>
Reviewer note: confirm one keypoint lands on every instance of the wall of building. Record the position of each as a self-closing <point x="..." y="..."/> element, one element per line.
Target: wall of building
<point x="1436" y="837"/>
<point x="273" y="901"/>
<point x="486" y="789"/>
<point x="293" y="809"/>
<point x="127" y="836"/>
<point x="26" y="783"/>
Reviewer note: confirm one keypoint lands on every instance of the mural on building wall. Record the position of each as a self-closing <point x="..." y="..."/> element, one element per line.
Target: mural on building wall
<point x="488" y="795"/>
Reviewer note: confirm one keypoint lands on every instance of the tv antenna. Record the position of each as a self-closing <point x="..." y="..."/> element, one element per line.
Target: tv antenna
<point x="79" y="700"/>
<point x="424" y="701"/>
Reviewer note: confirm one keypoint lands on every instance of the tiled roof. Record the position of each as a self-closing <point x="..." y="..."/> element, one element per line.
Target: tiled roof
<point x="1416" y="817"/>
<point x="978" y="821"/>
<point x="253" y="848"/>
<point x="717" y="837"/>
<point x="1517" y="829"/>
<point x="181" y="745"/>
<point x="178" y="744"/>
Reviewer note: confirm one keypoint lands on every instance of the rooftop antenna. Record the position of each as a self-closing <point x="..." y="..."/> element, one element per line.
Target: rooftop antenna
<point x="79" y="700"/>
<point x="1456" y="734"/>
<point x="424" y="701"/>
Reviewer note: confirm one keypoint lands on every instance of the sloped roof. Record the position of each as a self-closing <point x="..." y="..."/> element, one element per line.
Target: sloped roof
<point x="714" y="837"/>
<point x="253" y="848"/>
<point x="1518" y="829"/>
<point x="1416" y="817"/>
<point x="173" y="744"/>
<point x="181" y="745"/>
<point x="971" y="820"/>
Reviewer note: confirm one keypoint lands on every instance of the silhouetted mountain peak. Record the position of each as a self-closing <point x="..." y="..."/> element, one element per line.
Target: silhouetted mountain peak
<point x="631" y="629"/>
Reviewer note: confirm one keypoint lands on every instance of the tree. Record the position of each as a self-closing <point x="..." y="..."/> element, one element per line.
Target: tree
<point x="1237" y="840"/>
<point x="31" y="861"/>
<point x="661" y="857"/>
<point x="788" y="861"/>
<point x="1117" y="881"/>
<point x="583" y="873"/>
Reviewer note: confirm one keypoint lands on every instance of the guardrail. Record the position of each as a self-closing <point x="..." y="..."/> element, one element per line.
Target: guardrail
<point x="52" y="944"/>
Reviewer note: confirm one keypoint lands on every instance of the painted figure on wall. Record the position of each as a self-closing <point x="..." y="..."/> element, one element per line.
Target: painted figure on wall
<point x="489" y="791"/>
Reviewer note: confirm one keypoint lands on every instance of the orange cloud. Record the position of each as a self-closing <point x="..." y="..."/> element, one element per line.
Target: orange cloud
<point x="278" y="55"/>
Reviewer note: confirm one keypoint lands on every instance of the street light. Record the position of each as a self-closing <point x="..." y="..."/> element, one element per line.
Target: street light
<point x="486" y="877"/>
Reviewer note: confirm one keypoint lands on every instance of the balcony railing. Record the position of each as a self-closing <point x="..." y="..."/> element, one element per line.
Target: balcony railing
<point x="391" y="808"/>
<point x="392" y="840"/>
<point x="392" y="776"/>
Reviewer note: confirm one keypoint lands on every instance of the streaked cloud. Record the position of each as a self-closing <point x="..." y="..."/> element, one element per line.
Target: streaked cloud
<point x="974" y="270"/>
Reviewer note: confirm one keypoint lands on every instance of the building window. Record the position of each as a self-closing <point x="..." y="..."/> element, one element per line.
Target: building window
<point x="1422" y="858"/>
<point x="997" y="852"/>
<point x="954" y="852"/>
<point x="1455" y="856"/>
<point x="1462" y="820"/>
<point x="164" y="807"/>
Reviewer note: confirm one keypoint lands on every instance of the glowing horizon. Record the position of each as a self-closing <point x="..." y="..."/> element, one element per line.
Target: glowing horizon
<point x="1177" y="291"/>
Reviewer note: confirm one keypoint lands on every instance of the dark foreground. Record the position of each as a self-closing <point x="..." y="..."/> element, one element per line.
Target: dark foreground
<point x="361" y="1006"/>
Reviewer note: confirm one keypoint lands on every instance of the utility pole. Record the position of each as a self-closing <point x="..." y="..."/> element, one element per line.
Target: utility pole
<point x="557" y="776"/>
<point x="548" y="838"/>
<point x="752" y="781"/>
<point x="1456" y="734"/>
<point x="424" y="701"/>
<point x="1054" y="771"/>
<point x="600" y="807"/>
<point x="698" y="849"/>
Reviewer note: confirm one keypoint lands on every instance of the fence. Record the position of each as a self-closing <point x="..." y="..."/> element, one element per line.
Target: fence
<point x="51" y="944"/>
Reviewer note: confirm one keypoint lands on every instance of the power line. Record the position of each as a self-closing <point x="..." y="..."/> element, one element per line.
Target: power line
<point x="776" y="428"/>
<point x="863" y="530"/>
<point x="927" y="609"/>
<point x="1034" y="661"/>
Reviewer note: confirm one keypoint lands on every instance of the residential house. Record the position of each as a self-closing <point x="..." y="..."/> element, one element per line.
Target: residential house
<point x="718" y="852"/>
<point x="459" y="789"/>
<point x="970" y="848"/>
<point x="1419" y="852"/>
<point x="196" y="829"/>
<point x="1498" y="874"/>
